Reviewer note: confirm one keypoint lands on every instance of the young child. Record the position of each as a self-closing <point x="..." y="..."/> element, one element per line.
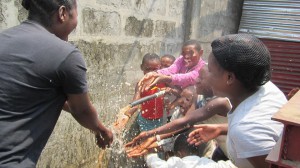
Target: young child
<point x="151" y="111"/>
<point x="185" y="156"/>
<point x="185" y="102"/>
<point x="183" y="72"/>
<point x="167" y="60"/>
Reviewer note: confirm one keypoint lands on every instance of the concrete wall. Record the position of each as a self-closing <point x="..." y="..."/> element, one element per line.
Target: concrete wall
<point x="211" y="19"/>
<point x="113" y="36"/>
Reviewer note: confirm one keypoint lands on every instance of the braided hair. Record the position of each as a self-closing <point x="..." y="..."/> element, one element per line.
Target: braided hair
<point x="42" y="10"/>
<point x="244" y="55"/>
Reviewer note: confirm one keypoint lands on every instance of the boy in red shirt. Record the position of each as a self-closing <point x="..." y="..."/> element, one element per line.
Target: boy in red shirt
<point x="151" y="111"/>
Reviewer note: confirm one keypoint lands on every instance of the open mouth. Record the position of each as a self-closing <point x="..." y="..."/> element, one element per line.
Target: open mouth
<point x="182" y="108"/>
<point x="187" y="61"/>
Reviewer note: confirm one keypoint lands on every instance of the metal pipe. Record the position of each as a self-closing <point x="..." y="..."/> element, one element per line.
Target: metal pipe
<point x="155" y="95"/>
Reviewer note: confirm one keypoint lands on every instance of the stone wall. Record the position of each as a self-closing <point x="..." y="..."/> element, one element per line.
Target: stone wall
<point x="113" y="36"/>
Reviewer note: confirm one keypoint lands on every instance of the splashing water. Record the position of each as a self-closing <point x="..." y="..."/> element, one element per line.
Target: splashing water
<point x="115" y="156"/>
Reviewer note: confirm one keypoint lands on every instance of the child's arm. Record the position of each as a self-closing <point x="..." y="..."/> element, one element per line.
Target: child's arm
<point x="215" y="106"/>
<point x="150" y="144"/>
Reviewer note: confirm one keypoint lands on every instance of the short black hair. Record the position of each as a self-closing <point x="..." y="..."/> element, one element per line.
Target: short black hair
<point x="150" y="57"/>
<point x="181" y="145"/>
<point x="169" y="56"/>
<point x="196" y="43"/>
<point x="244" y="55"/>
<point x="42" y="10"/>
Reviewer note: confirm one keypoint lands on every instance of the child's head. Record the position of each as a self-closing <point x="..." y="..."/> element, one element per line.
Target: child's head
<point x="167" y="60"/>
<point x="202" y="84"/>
<point x="239" y="59"/>
<point x="182" y="148"/>
<point x="187" y="98"/>
<point x="151" y="62"/>
<point x="192" y="52"/>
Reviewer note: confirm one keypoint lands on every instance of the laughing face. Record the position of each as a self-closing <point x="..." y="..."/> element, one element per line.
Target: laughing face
<point x="191" y="56"/>
<point x="186" y="100"/>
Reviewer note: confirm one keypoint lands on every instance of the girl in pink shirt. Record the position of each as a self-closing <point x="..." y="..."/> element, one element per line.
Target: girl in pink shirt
<point x="183" y="72"/>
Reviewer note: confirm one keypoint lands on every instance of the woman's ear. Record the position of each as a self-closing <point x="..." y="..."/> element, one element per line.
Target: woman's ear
<point x="62" y="14"/>
<point x="230" y="78"/>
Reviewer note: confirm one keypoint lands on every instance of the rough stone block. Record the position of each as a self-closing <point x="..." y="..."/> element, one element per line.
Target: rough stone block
<point x="22" y="12"/>
<point x="157" y="7"/>
<point x="165" y="29"/>
<point x="176" y="8"/>
<point x="206" y="50"/>
<point x="116" y="3"/>
<point x="135" y="27"/>
<point x="2" y="16"/>
<point x="174" y="48"/>
<point x="99" y="22"/>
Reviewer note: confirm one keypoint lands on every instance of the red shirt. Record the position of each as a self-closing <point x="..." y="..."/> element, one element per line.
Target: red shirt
<point x="153" y="109"/>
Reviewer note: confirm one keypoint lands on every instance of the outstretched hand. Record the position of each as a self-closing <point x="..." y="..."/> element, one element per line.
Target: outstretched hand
<point x="137" y="140"/>
<point x="148" y="81"/>
<point x="142" y="148"/>
<point x="203" y="133"/>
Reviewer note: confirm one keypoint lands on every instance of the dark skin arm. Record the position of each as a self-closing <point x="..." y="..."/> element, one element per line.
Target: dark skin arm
<point x="206" y="132"/>
<point x="149" y="144"/>
<point x="86" y="115"/>
<point x="216" y="106"/>
<point x="259" y="161"/>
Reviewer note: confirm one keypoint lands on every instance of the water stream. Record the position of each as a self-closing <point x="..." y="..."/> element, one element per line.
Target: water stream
<point x="115" y="156"/>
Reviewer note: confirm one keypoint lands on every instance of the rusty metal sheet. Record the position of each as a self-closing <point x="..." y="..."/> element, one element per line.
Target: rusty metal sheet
<point x="285" y="63"/>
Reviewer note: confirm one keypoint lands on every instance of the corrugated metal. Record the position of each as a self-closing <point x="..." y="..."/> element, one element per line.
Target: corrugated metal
<point x="272" y="19"/>
<point x="285" y="63"/>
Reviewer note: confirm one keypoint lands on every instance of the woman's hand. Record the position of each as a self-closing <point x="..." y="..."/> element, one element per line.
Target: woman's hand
<point x="203" y="133"/>
<point x="104" y="139"/>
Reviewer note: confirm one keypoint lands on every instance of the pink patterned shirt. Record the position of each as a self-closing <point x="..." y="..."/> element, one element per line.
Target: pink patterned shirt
<point x="181" y="76"/>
